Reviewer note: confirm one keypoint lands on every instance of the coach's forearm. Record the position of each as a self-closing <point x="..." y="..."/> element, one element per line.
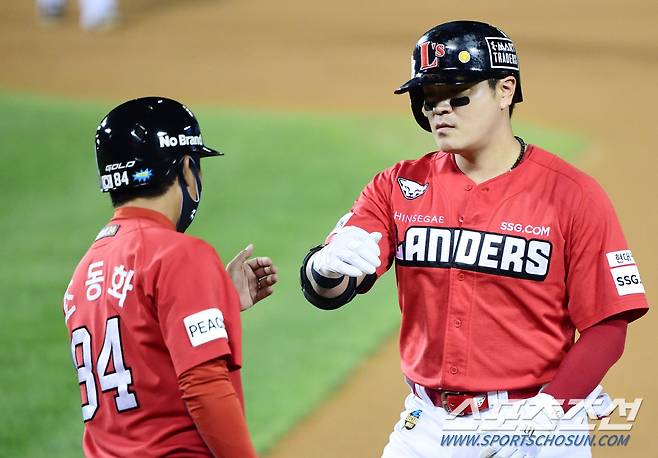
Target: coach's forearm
<point x="216" y="411"/>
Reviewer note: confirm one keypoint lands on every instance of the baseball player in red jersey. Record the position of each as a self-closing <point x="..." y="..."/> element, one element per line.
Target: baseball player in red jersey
<point x="153" y="316"/>
<point x="502" y="251"/>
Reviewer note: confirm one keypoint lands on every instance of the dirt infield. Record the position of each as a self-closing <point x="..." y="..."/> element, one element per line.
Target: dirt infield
<point x="588" y="67"/>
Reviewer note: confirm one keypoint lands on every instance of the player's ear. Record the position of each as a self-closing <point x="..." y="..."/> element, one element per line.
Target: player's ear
<point x="505" y="91"/>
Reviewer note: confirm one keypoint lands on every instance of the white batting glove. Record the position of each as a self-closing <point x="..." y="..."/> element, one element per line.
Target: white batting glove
<point x="352" y="252"/>
<point x="597" y="403"/>
<point x="537" y="415"/>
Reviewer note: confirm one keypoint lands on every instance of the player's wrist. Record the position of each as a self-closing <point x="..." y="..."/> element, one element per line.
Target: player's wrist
<point x="324" y="278"/>
<point x="326" y="282"/>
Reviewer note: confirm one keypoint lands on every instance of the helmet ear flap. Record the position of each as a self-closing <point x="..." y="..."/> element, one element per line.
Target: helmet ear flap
<point x="416" y="97"/>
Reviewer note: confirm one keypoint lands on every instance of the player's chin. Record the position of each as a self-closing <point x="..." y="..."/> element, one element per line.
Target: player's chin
<point x="445" y="143"/>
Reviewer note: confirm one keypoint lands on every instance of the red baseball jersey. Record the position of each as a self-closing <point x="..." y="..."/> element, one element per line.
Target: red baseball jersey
<point x="145" y="304"/>
<point x="494" y="279"/>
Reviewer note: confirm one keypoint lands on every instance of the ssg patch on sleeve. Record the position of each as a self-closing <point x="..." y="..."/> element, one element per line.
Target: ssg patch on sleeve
<point x="625" y="273"/>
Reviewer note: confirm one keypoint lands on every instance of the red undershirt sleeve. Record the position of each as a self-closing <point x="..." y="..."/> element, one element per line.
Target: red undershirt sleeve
<point x="590" y="358"/>
<point x="216" y="410"/>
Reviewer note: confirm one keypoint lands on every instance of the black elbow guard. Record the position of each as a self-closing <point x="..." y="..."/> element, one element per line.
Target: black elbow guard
<point x="319" y="301"/>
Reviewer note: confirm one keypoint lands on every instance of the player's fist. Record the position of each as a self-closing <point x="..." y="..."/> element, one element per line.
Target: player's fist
<point x="352" y="252"/>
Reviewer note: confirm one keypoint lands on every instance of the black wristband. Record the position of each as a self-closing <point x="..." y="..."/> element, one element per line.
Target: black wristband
<point x="325" y="282"/>
<point x="314" y="298"/>
<point x="366" y="283"/>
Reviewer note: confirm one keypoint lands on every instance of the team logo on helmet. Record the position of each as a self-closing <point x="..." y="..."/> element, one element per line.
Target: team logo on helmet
<point x="438" y="50"/>
<point x="410" y="189"/>
<point x="412" y="419"/>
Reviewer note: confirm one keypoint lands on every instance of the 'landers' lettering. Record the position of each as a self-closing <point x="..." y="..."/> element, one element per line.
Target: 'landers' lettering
<point x="487" y="252"/>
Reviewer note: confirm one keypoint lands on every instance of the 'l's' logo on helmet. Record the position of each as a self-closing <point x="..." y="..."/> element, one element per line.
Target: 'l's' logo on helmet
<point x="438" y="50"/>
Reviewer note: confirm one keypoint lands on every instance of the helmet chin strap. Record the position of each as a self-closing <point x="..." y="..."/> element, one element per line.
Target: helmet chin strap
<point x="188" y="205"/>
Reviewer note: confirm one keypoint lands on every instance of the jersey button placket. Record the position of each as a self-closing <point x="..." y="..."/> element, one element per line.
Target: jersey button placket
<point x="456" y="338"/>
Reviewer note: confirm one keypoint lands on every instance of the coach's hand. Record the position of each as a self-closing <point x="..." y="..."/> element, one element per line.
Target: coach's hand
<point x="352" y="252"/>
<point x="253" y="278"/>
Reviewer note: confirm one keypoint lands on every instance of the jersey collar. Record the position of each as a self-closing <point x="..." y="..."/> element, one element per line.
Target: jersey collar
<point x="143" y="213"/>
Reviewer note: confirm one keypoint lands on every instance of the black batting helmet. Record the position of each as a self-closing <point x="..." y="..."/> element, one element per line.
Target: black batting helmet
<point x="459" y="52"/>
<point x="142" y="141"/>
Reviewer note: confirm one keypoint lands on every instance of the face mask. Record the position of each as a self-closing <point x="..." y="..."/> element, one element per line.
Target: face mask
<point x="189" y="206"/>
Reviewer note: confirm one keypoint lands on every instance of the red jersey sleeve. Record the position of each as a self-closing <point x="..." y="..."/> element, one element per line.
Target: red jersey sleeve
<point x="602" y="277"/>
<point x="372" y="212"/>
<point x="198" y="307"/>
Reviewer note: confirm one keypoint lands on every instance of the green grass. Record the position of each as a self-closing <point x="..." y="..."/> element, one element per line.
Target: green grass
<point x="285" y="180"/>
